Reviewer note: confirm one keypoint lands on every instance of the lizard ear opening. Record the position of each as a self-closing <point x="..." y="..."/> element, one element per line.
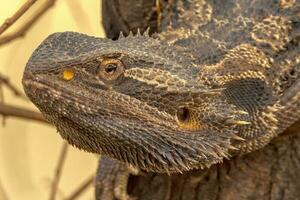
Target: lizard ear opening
<point x="183" y="114"/>
<point x="187" y="119"/>
<point x="248" y="93"/>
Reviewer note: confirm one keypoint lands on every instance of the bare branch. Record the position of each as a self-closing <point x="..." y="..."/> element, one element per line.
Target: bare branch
<point x="8" y="111"/>
<point x="5" y="81"/>
<point x="24" y="28"/>
<point x="10" y="21"/>
<point x="58" y="171"/>
<point x="83" y="186"/>
<point x="3" y="193"/>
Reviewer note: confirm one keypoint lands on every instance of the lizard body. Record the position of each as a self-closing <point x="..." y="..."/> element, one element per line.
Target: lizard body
<point x="218" y="80"/>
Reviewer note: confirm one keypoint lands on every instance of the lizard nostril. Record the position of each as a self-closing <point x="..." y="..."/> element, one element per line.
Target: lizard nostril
<point x="68" y="74"/>
<point x="183" y="114"/>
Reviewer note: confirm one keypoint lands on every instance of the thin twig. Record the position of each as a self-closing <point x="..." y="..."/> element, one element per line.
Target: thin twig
<point x="24" y="28"/>
<point x="58" y="171"/>
<point x="10" y="21"/>
<point x="3" y="193"/>
<point x="5" y="81"/>
<point x="13" y="111"/>
<point x="83" y="186"/>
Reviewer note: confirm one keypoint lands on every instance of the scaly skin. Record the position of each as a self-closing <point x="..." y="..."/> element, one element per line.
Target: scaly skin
<point x="219" y="80"/>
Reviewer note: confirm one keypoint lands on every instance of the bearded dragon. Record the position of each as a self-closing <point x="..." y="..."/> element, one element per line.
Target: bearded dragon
<point x="220" y="79"/>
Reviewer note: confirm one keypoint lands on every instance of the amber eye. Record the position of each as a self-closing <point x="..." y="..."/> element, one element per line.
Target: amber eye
<point x="183" y="114"/>
<point x="111" y="69"/>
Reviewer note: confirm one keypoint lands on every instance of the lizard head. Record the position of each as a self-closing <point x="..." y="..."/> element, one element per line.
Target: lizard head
<point x="135" y="99"/>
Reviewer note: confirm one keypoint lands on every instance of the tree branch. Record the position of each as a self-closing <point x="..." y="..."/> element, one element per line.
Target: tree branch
<point x="5" y="81"/>
<point x="24" y="28"/>
<point x="58" y="171"/>
<point x="8" y="110"/>
<point x="3" y="193"/>
<point x="85" y="185"/>
<point x="10" y="21"/>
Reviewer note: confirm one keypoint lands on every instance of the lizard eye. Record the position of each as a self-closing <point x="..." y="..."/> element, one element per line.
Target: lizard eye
<point x="111" y="69"/>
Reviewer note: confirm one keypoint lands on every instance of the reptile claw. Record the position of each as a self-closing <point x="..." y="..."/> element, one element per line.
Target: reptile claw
<point x="111" y="180"/>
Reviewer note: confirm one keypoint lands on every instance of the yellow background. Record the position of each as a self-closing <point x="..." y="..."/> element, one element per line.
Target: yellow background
<point x="29" y="150"/>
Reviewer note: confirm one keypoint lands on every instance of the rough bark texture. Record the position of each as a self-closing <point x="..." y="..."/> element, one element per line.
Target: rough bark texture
<point x="270" y="173"/>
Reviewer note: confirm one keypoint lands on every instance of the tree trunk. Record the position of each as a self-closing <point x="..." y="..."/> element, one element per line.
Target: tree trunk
<point x="270" y="173"/>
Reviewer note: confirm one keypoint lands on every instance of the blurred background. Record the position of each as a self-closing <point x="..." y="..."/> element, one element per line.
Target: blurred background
<point x="30" y="150"/>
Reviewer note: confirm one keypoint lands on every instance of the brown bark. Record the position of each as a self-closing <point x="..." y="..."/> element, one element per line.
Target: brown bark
<point x="270" y="173"/>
